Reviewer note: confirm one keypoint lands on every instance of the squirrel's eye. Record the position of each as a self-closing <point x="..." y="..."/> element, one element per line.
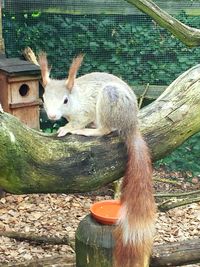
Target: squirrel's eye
<point x="65" y="100"/>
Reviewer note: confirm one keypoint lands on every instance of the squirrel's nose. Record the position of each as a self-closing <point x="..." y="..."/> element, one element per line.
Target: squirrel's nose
<point x="52" y="116"/>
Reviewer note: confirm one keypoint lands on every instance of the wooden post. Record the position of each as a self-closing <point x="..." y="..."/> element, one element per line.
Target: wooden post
<point x="2" y="48"/>
<point x="94" y="244"/>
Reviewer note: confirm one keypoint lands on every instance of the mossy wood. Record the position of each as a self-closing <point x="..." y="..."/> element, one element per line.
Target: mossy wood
<point x="94" y="244"/>
<point x="94" y="247"/>
<point x="32" y="162"/>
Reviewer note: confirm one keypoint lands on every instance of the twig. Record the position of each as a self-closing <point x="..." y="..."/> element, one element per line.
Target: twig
<point x="143" y="96"/>
<point x="165" y="206"/>
<point x="178" y="194"/>
<point x="117" y="188"/>
<point x="167" y="181"/>
<point x="39" y="239"/>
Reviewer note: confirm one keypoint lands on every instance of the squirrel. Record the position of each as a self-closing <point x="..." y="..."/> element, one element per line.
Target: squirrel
<point x="109" y="103"/>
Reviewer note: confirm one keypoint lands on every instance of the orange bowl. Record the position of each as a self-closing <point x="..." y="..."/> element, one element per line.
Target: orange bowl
<point x="106" y="212"/>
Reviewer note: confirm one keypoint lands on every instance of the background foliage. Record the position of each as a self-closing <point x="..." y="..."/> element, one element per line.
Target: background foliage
<point x="185" y="158"/>
<point x="131" y="47"/>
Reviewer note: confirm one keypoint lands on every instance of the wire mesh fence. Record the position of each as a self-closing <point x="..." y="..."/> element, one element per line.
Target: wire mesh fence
<point x="114" y="35"/>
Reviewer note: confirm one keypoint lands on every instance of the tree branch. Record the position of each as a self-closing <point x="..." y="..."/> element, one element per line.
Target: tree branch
<point x="188" y="35"/>
<point x="53" y="240"/>
<point x="64" y="261"/>
<point x="33" y="162"/>
<point x="186" y="194"/>
<point x="174" y="203"/>
<point x="174" y="116"/>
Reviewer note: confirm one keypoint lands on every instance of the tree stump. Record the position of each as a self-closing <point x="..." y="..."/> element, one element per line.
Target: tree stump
<point x="94" y="244"/>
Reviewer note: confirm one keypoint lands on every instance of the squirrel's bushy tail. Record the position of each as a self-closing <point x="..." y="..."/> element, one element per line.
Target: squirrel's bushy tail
<point x="135" y="230"/>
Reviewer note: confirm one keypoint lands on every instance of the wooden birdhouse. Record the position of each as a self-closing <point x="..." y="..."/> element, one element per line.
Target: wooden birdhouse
<point x="19" y="90"/>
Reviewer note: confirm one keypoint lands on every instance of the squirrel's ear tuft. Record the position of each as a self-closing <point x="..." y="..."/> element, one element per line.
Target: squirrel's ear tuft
<point x="76" y="63"/>
<point x="45" y="70"/>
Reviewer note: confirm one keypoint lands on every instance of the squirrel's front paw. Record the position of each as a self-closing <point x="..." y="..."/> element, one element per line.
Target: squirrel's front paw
<point x="62" y="131"/>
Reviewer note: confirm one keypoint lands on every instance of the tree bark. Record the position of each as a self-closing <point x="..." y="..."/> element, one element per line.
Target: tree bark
<point x="32" y="162"/>
<point x="176" y="254"/>
<point x="174" y="116"/>
<point x="186" y="34"/>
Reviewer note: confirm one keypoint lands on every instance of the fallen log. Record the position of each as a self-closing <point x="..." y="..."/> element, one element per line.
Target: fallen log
<point x="33" y="162"/>
<point x="64" y="261"/>
<point x="39" y="240"/>
<point x="176" y="254"/>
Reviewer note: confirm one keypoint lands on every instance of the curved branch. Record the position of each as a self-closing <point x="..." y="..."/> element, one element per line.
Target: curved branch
<point x="32" y="162"/>
<point x="174" y="116"/>
<point x="174" y="203"/>
<point x="188" y="35"/>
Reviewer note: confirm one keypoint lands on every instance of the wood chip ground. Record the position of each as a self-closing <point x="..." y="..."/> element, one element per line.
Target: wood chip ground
<point x="56" y="215"/>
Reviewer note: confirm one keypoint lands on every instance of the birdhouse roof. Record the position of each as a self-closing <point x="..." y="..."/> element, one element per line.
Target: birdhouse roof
<point x="16" y="67"/>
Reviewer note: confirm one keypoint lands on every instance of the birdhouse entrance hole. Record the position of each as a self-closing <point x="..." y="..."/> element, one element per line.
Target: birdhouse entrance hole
<point x="24" y="90"/>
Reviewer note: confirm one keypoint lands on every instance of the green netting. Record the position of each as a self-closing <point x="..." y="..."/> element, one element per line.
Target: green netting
<point x="114" y="35"/>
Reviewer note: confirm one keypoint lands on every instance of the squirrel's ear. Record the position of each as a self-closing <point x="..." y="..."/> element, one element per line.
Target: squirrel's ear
<point x="45" y="70"/>
<point x="76" y="63"/>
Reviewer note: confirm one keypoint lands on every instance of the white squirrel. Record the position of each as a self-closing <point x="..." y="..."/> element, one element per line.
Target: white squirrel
<point x="109" y="103"/>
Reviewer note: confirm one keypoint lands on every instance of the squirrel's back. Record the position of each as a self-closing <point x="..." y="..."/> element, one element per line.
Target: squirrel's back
<point x="115" y="102"/>
<point x="96" y="80"/>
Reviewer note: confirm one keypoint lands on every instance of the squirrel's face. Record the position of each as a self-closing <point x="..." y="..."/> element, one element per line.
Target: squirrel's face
<point x="56" y="99"/>
<point x="57" y="93"/>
